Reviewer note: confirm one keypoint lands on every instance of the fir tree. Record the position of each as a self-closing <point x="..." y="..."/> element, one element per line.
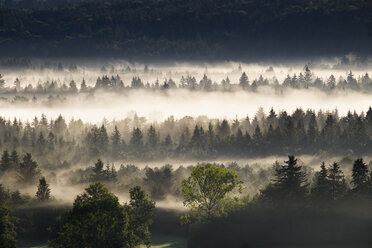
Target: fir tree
<point x="43" y="190"/>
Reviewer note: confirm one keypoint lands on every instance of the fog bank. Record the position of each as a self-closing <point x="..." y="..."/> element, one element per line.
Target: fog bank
<point x="158" y="106"/>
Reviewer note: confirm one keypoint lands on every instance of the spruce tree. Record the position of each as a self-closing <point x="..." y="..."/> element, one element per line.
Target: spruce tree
<point x="43" y="190"/>
<point x="28" y="170"/>
<point x="5" y="161"/>
<point x="337" y="184"/>
<point x="243" y="81"/>
<point x="360" y="176"/>
<point x="320" y="192"/>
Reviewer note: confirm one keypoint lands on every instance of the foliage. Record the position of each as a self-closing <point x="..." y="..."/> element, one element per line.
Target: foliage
<point x="43" y="190"/>
<point x="98" y="220"/>
<point x="28" y="171"/>
<point x="207" y="188"/>
<point x="7" y="228"/>
<point x="360" y="176"/>
<point x="141" y="211"/>
<point x="289" y="185"/>
<point x="213" y="29"/>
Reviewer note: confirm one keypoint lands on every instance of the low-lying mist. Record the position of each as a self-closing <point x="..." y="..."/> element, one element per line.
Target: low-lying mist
<point x="155" y="106"/>
<point x="256" y="173"/>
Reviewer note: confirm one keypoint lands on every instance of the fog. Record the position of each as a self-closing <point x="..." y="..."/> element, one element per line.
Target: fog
<point x="41" y="70"/>
<point x="155" y="106"/>
<point x="158" y="105"/>
<point x="64" y="192"/>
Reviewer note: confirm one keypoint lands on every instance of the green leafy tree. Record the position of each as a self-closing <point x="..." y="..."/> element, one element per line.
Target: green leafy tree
<point x="158" y="181"/>
<point x="141" y="211"/>
<point x="98" y="220"/>
<point x="7" y="227"/>
<point x="207" y="189"/>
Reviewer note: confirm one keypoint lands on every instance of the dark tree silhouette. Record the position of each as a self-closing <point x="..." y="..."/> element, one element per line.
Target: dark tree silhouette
<point x="360" y="176"/>
<point x="43" y="190"/>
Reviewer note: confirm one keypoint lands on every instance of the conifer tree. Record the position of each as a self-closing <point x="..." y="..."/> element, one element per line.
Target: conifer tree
<point x="5" y="161"/>
<point x="337" y="184"/>
<point x="360" y="176"/>
<point x="43" y="190"/>
<point x="243" y="81"/>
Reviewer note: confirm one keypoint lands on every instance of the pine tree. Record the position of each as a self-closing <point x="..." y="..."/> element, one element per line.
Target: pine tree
<point x="14" y="160"/>
<point x="115" y="138"/>
<point x="103" y="138"/>
<point x="243" y="81"/>
<point x="43" y="190"/>
<point x="331" y="83"/>
<point x="290" y="176"/>
<point x="152" y="138"/>
<point x="98" y="172"/>
<point x="360" y="176"/>
<point x="2" y="81"/>
<point x="168" y="143"/>
<point x="320" y="192"/>
<point x="289" y="185"/>
<point x="337" y="184"/>
<point x="5" y="161"/>
<point x="136" y="141"/>
<point x="28" y="169"/>
<point x="83" y="86"/>
<point x="308" y="76"/>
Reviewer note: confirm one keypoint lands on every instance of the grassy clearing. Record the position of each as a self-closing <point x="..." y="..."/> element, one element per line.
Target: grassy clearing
<point x="158" y="241"/>
<point x="166" y="241"/>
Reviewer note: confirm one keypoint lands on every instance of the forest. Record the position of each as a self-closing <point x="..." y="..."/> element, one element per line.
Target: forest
<point x="216" y="199"/>
<point x="120" y="154"/>
<point x="185" y="124"/>
<point x="185" y="30"/>
<point x="54" y="92"/>
<point x="302" y="132"/>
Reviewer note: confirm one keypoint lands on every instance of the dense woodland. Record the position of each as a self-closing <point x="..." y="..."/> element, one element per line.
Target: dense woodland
<point x="211" y="182"/>
<point x="56" y="142"/>
<point x="54" y="92"/>
<point x="288" y="206"/>
<point x="179" y="29"/>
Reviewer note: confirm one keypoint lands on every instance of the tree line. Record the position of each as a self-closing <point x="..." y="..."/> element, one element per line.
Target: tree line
<point x="290" y="210"/>
<point x="213" y="194"/>
<point x="303" y="132"/>
<point x="96" y="219"/>
<point x="304" y="80"/>
<point x="224" y="29"/>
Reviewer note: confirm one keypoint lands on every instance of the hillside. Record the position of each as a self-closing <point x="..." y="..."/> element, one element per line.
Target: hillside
<point x="177" y="29"/>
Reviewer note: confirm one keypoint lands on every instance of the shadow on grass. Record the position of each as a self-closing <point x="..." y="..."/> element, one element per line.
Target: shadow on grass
<point x="158" y="241"/>
<point x="167" y="241"/>
<point x="32" y="244"/>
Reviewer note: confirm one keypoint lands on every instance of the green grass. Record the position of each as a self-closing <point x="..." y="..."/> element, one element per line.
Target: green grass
<point x="32" y="244"/>
<point x="158" y="241"/>
<point x="165" y="241"/>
